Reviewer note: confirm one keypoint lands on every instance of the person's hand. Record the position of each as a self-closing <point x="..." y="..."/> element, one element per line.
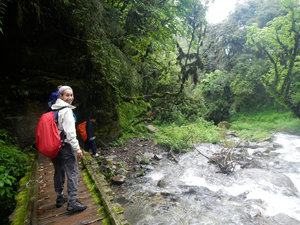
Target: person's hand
<point x="79" y="153"/>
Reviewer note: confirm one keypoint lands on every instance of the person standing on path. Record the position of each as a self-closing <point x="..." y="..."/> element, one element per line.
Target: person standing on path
<point x="66" y="160"/>
<point x="90" y="142"/>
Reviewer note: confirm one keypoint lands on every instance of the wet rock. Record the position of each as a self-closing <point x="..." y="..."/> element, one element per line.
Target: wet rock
<point x="119" y="179"/>
<point x="110" y="157"/>
<point x="253" y="145"/>
<point x="138" y="158"/>
<point x="276" y="145"/>
<point x="147" y="167"/>
<point x="283" y="219"/>
<point x="255" y="213"/>
<point x="136" y="168"/>
<point x="158" y="157"/>
<point x="142" y="180"/>
<point x="257" y="153"/>
<point x="122" y="171"/>
<point x="151" y="128"/>
<point x="277" y="179"/>
<point x="162" y="183"/>
<point x="148" y="155"/>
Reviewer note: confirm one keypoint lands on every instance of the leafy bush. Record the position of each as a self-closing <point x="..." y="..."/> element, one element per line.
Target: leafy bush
<point x="5" y="138"/>
<point x="184" y="137"/>
<point x="129" y="113"/>
<point x="13" y="165"/>
<point x="246" y="85"/>
<point x="187" y="108"/>
<point x="216" y="91"/>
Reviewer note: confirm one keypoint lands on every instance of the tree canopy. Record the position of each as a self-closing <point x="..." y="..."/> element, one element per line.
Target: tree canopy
<point x="279" y="42"/>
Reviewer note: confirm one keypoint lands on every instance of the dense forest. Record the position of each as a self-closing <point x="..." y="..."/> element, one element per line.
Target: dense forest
<point x="132" y="62"/>
<point x="150" y="55"/>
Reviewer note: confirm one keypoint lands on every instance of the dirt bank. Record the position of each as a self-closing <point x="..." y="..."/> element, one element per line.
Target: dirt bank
<point x="129" y="153"/>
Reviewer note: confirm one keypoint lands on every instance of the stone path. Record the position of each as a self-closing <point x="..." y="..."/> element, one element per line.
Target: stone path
<point x="47" y="213"/>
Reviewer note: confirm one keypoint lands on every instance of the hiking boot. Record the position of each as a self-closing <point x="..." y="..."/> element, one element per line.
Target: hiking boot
<point x="76" y="206"/>
<point x="60" y="200"/>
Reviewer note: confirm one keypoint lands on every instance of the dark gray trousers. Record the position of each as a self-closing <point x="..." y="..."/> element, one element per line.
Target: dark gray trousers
<point x="66" y="163"/>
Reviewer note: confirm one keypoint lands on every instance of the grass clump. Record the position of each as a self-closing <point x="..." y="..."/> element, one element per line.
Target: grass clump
<point x="259" y="125"/>
<point x="185" y="136"/>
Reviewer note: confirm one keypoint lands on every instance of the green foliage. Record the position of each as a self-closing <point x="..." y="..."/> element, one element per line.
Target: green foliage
<point x="185" y="136"/>
<point x="258" y="125"/>
<point x="260" y="12"/>
<point x="13" y="165"/>
<point x="149" y="36"/>
<point x="13" y="160"/>
<point x="228" y="52"/>
<point x="216" y="91"/>
<point x="187" y="107"/>
<point x="279" y="41"/>
<point x="246" y="83"/>
<point x="224" y="124"/>
<point x="5" y="138"/>
<point x="128" y="113"/>
<point x="21" y="199"/>
<point x="6" y="183"/>
<point x="2" y="12"/>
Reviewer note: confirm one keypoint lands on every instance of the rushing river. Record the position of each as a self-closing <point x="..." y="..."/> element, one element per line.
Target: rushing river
<point x="266" y="191"/>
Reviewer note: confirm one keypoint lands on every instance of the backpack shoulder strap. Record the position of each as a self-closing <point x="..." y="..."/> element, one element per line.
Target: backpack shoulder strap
<point x="62" y="134"/>
<point x="56" y="113"/>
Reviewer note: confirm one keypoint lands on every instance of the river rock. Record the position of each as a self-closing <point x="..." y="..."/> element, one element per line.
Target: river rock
<point x="149" y="155"/>
<point x="138" y="158"/>
<point x="276" y="145"/>
<point x="136" y="168"/>
<point x="110" y="157"/>
<point x="141" y="159"/>
<point x="280" y="181"/>
<point x="283" y="219"/>
<point x="119" y="179"/>
<point x="147" y="167"/>
<point x="158" y="157"/>
<point x="122" y="171"/>
<point x="162" y="183"/>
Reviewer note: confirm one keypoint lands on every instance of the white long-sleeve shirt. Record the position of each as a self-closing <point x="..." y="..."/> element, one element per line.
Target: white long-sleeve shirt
<point x="66" y="122"/>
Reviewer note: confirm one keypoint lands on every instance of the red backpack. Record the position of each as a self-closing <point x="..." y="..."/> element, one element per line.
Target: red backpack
<point x="81" y="129"/>
<point x="47" y="138"/>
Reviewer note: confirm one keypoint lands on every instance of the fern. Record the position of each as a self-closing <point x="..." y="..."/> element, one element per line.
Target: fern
<point x="2" y="13"/>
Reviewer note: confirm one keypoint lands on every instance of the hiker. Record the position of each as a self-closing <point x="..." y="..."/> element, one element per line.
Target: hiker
<point x="53" y="97"/>
<point x="66" y="160"/>
<point x="90" y="142"/>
